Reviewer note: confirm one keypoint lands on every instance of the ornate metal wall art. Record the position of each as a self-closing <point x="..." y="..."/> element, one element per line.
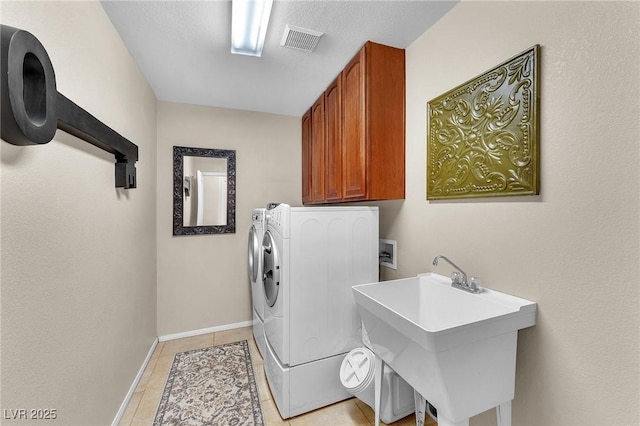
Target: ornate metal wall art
<point x="482" y="136"/>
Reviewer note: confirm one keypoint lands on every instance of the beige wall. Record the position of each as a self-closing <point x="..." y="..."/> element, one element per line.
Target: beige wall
<point x="202" y="279"/>
<point x="78" y="256"/>
<point x="574" y="248"/>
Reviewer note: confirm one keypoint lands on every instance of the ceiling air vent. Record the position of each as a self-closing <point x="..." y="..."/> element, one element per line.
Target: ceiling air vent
<point x="300" y="38"/>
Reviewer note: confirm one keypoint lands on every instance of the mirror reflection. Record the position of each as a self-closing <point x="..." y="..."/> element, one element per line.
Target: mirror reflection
<point x="203" y="191"/>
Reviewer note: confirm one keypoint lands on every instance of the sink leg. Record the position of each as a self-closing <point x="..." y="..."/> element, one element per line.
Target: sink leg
<point x="420" y="404"/>
<point x="503" y="412"/>
<point x="446" y="422"/>
<point x="378" y="388"/>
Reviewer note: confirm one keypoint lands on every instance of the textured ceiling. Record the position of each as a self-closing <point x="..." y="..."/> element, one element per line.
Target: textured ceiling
<point x="182" y="48"/>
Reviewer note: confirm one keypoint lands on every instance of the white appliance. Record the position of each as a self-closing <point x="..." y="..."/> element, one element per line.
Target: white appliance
<point x="256" y="233"/>
<point x="312" y="256"/>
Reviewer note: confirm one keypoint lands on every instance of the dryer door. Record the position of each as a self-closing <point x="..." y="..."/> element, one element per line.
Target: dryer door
<point x="254" y="252"/>
<point x="270" y="269"/>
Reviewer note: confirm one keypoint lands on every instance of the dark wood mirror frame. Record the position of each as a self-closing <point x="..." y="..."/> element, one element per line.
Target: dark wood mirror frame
<point x="179" y="152"/>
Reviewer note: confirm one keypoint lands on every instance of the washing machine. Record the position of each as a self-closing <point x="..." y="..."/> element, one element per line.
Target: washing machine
<point x="256" y="233"/>
<point x="312" y="256"/>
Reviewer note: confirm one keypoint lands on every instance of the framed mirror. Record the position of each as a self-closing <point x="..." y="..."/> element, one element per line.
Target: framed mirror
<point x="204" y="191"/>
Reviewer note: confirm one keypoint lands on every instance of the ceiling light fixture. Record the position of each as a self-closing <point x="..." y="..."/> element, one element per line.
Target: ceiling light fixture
<point x="249" y="20"/>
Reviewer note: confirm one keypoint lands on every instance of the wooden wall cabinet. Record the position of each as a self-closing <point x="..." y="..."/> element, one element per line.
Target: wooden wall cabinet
<point x="333" y="158"/>
<point x="318" y="151"/>
<point x="362" y="117"/>
<point x="306" y="157"/>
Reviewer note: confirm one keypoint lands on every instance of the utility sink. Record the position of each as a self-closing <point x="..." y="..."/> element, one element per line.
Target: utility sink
<point x="457" y="349"/>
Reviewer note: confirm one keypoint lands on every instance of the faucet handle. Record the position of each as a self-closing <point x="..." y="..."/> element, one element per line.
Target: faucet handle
<point x="475" y="284"/>
<point x="456" y="277"/>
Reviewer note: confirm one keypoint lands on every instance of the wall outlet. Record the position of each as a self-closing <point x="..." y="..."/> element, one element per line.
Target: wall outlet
<point x="388" y="253"/>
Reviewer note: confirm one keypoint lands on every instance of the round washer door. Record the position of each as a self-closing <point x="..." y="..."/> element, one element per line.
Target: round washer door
<point x="270" y="269"/>
<point x="254" y="252"/>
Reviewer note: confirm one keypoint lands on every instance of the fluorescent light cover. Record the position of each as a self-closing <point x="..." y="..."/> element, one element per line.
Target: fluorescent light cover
<point x="249" y="20"/>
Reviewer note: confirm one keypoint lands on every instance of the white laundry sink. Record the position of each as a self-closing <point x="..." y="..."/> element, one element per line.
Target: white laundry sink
<point x="457" y="349"/>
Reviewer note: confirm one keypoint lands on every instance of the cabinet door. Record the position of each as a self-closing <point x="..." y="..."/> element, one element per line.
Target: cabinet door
<point x="317" y="151"/>
<point x="353" y="128"/>
<point x="306" y="157"/>
<point x="333" y="118"/>
<point x="385" y="86"/>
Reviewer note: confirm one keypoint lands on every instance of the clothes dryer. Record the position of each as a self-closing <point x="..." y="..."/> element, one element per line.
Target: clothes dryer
<point x="256" y="233"/>
<point x="312" y="256"/>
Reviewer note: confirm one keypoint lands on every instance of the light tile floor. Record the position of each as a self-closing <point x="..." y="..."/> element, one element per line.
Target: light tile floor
<point x="144" y="402"/>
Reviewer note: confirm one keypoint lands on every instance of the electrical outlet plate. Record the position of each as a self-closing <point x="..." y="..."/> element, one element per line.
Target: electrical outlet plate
<point x="391" y="247"/>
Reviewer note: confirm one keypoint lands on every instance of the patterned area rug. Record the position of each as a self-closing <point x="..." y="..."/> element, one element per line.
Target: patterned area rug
<point x="211" y="386"/>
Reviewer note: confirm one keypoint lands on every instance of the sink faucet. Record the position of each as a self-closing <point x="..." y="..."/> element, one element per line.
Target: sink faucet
<point x="459" y="279"/>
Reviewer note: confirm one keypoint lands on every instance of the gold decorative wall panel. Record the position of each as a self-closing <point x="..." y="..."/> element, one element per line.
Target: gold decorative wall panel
<point x="482" y="136"/>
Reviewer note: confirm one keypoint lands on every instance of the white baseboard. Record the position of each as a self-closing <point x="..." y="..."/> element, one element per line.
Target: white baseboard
<point x="132" y="389"/>
<point x="204" y="331"/>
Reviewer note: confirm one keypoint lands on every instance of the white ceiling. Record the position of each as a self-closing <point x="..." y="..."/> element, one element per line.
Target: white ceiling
<point x="182" y="47"/>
